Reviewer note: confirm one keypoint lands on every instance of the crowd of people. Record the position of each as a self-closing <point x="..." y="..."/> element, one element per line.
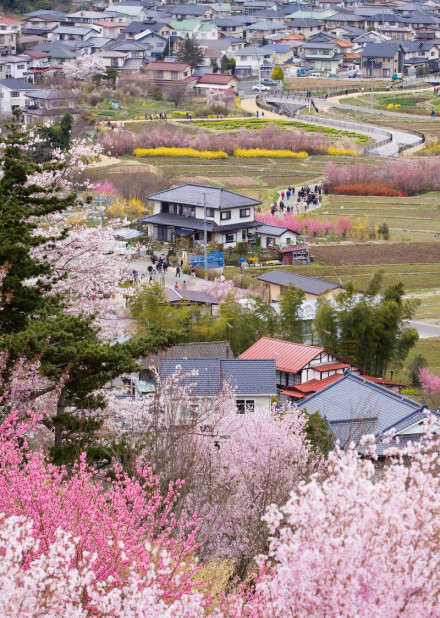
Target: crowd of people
<point x="295" y="201"/>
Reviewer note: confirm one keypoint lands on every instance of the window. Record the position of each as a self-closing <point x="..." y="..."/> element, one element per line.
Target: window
<point x="165" y="207"/>
<point x="210" y="213"/>
<point x="20" y="66"/>
<point x="244" y="405"/>
<point x="188" y="211"/>
<point x="225" y="216"/>
<point x="15" y="94"/>
<point x="174" y="74"/>
<point x="245" y="212"/>
<point x="386" y="72"/>
<point x="229" y="238"/>
<point x="243" y="235"/>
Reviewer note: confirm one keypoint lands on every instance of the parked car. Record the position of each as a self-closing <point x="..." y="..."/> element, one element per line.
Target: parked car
<point x="315" y="75"/>
<point x="269" y="82"/>
<point x="261" y="87"/>
<point x="352" y="75"/>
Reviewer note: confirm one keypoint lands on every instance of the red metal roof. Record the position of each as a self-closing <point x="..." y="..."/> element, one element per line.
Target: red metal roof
<point x="331" y="366"/>
<point x="289" y="356"/>
<point x="312" y="386"/>
<point x="214" y="78"/>
<point x="382" y="381"/>
<point x="9" y="21"/>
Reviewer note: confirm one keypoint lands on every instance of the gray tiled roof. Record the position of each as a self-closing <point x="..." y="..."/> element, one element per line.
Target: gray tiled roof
<point x="17" y="84"/>
<point x="308" y="284"/>
<point x="191" y="223"/>
<point x="354" y="406"/>
<point x="177" y="295"/>
<point x="380" y="50"/>
<point x="250" y="377"/>
<point x="194" y="194"/>
<point x="246" y="377"/>
<point x="273" y="230"/>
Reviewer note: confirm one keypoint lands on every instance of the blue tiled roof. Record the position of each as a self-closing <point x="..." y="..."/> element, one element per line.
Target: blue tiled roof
<point x="354" y="406"/>
<point x="246" y="377"/>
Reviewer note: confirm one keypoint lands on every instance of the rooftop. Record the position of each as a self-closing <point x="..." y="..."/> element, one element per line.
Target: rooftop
<point x="307" y="284"/>
<point x="196" y="195"/>
<point x="290" y="357"/>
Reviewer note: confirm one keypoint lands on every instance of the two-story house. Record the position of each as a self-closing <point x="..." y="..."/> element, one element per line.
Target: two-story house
<point x="9" y="31"/>
<point x="179" y="212"/>
<point x="193" y="11"/>
<point x="324" y="56"/>
<point x="152" y="41"/>
<point x="15" y="67"/>
<point x="168" y="72"/>
<point x="13" y="93"/>
<point x="298" y="365"/>
<point x="248" y="61"/>
<point x="74" y="33"/>
<point x="46" y="104"/>
<point x="110" y="29"/>
<point x="382" y="59"/>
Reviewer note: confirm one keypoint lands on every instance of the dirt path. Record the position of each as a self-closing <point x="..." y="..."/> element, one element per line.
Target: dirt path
<point x="355" y="95"/>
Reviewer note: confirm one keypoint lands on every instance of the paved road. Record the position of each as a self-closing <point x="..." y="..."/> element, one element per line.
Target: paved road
<point x="425" y="330"/>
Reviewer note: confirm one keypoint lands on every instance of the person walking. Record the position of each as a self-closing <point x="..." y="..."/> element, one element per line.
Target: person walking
<point x="177" y="271"/>
<point x="193" y="272"/>
<point x="288" y="195"/>
<point x="184" y="286"/>
<point x="282" y="195"/>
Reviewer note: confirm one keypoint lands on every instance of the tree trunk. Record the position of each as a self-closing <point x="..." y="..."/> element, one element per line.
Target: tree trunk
<point x="61" y="404"/>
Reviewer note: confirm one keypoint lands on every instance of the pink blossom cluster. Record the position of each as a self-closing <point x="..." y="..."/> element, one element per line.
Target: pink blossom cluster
<point x="303" y="225"/>
<point x="116" y="529"/>
<point x="222" y="289"/>
<point x="270" y="137"/>
<point x="430" y="383"/>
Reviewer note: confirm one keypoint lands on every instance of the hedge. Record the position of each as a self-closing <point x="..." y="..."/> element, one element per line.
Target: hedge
<point x="179" y="152"/>
<point x="264" y="152"/>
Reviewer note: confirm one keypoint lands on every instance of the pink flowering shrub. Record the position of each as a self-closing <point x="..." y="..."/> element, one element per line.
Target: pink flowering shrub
<point x="124" y="523"/>
<point x="269" y="137"/>
<point x="105" y="188"/>
<point x="222" y="289"/>
<point x="343" y="225"/>
<point x="408" y="177"/>
<point x="430" y="384"/>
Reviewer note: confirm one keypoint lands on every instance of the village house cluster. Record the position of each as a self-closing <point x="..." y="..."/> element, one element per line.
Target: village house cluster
<point x="330" y="37"/>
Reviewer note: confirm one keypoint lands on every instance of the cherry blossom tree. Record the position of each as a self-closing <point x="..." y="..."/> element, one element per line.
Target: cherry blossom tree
<point x="430" y="384"/>
<point x="85" y="66"/>
<point x="260" y="459"/>
<point x="358" y="543"/>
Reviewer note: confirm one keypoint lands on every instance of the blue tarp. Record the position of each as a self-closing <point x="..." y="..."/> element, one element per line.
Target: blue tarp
<point x="215" y="260"/>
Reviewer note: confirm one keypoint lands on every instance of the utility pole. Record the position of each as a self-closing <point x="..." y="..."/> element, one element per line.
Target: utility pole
<point x="205" y="235"/>
<point x="372" y="84"/>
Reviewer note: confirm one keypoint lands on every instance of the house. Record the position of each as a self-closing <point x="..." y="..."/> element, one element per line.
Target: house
<point x="166" y="72"/>
<point x="112" y="58"/>
<point x="382" y="59"/>
<point x="253" y="382"/>
<point x="270" y="236"/>
<point x="74" y="33"/>
<point x="277" y="53"/>
<point x="276" y="281"/>
<point x="217" y="81"/>
<point x="110" y="29"/>
<point x="353" y="406"/>
<point x="13" y="93"/>
<point x="255" y="33"/>
<point x="248" y="61"/>
<point x="305" y="25"/>
<point x="15" y="67"/>
<point x="193" y="11"/>
<point x="324" y="56"/>
<point x="152" y="42"/>
<point x="297" y="364"/>
<point x="46" y="104"/>
<point x="9" y="32"/>
<point x="128" y="12"/>
<point x="179" y="296"/>
<point x="42" y="24"/>
<point x="179" y="214"/>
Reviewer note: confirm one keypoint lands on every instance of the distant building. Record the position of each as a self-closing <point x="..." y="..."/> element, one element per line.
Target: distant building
<point x="276" y="281"/>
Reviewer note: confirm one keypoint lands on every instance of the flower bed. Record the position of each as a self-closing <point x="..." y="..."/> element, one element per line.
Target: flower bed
<point x="264" y="152"/>
<point x="179" y="152"/>
<point x="372" y="188"/>
<point x="341" y="152"/>
<point x="256" y="123"/>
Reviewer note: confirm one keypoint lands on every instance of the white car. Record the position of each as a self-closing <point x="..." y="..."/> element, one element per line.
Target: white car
<point x="261" y="88"/>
